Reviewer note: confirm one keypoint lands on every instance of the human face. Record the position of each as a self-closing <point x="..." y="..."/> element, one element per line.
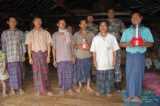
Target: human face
<point x="103" y="27"/>
<point x="90" y="19"/>
<point x="61" y="24"/>
<point x="37" y="23"/>
<point x="111" y="14"/>
<point x="12" y="22"/>
<point x="83" y="25"/>
<point x="136" y="19"/>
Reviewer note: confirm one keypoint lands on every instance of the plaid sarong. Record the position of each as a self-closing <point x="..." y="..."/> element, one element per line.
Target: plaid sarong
<point x="15" y="75"/>
<point x="65" y="75"/>
<point x="40" y="71"/>
<point x="83" y="70"/>
<point x="104" y="81"/>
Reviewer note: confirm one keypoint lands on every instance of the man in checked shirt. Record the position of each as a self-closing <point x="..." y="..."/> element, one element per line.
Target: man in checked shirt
<point x="11" y="40"/>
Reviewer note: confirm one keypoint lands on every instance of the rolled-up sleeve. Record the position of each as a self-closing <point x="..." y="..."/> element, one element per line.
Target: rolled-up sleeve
<point x="28" y="40"/>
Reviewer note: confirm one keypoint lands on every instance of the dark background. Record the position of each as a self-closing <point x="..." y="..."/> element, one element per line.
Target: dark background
<point x="73" y="10"/>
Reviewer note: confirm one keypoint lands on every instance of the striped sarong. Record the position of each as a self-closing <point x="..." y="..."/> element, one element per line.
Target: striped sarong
<point x="135" y="65"/>
<point x="40" y="71"/>
<point x="15" y="75"/>
<point x="104" y="81"/>
<point x="83" y="70"/>
<point x="65" y="75"/>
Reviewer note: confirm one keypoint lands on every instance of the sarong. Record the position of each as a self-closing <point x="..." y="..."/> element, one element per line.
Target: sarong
<point x="65" y="75"/>
<point x="40" y="72"/>
<point x="15" y="75"/>
<point x="83" y="70"/>
<point x="135" y="65"/>
<point x="104" y="81"/>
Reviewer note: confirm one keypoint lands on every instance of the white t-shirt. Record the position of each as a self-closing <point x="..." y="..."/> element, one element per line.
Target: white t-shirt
<point x="104" y="48"/>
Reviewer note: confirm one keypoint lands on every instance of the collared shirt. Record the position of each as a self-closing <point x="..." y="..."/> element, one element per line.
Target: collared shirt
<point x="116" y="27"/>
<point x="104" y="47"/>
<point x="62" y="43"/>
<point x="12" y="45"/>
<point x="39" y="40"/>
<point x="129" y="33"/>
<point x="78" y="39"/>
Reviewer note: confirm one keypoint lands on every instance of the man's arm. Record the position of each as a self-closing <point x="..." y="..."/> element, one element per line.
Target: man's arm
<point x="147" y="44"/>
<point x="49" y="51"/>
<point x="54" y="53"/>
<point x="30" y="53"/>
<point x="114" y="58"/>
<point x="125" y="44"/>
<point x="94" y="59"/>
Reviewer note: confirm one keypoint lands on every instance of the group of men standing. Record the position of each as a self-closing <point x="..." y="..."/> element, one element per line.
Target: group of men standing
<point x="74" y="55"/>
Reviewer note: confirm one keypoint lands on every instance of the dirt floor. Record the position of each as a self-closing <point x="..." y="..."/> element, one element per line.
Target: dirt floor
<point x="82" y="99"/>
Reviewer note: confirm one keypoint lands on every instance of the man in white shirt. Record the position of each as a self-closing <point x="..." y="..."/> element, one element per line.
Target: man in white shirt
<point x="103" y="48"/>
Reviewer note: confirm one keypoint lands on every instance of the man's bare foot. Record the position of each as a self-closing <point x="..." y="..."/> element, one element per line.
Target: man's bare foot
<point x="4" y="95"/>
<point x="136" y="99"/>
<point x="49" y="94"/>
<point x="12" y="92"/>
<point x="98" y="94"/>
<point x="78" y="90"/>
<point x="37" y="94"/>
<point x="61" y="93"/>
<point x="90" y="90"/>
<point x="129" y="99"/>
<point x="118" y="91"/>
<point x="109" y="95"/>
<point x="70" y="92"/>
<point x="21" y="92"/>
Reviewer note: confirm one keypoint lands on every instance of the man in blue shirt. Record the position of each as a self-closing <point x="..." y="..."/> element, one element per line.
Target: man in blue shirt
<point x="135" y="59"/>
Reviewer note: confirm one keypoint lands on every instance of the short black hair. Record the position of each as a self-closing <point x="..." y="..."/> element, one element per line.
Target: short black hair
<point x="82" y="20"/>
<point x="12" y="16"/>
<point x="61" y="19"/>
<point x="136" y="12"/>
<point x="110" y="9"/>
<point x="106" y="22"/>
<point x="37" y="17"/>
<point x="90" y="15"/>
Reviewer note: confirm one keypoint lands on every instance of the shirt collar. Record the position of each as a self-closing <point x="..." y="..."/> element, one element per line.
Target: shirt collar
<point x="85" y="30"/>
<point x="132" y="26"/>
<point x="99" y="34"/>
<point x="13" y="29"/>
<point x="38" y="30"/>
<point x="62" y="30"/>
